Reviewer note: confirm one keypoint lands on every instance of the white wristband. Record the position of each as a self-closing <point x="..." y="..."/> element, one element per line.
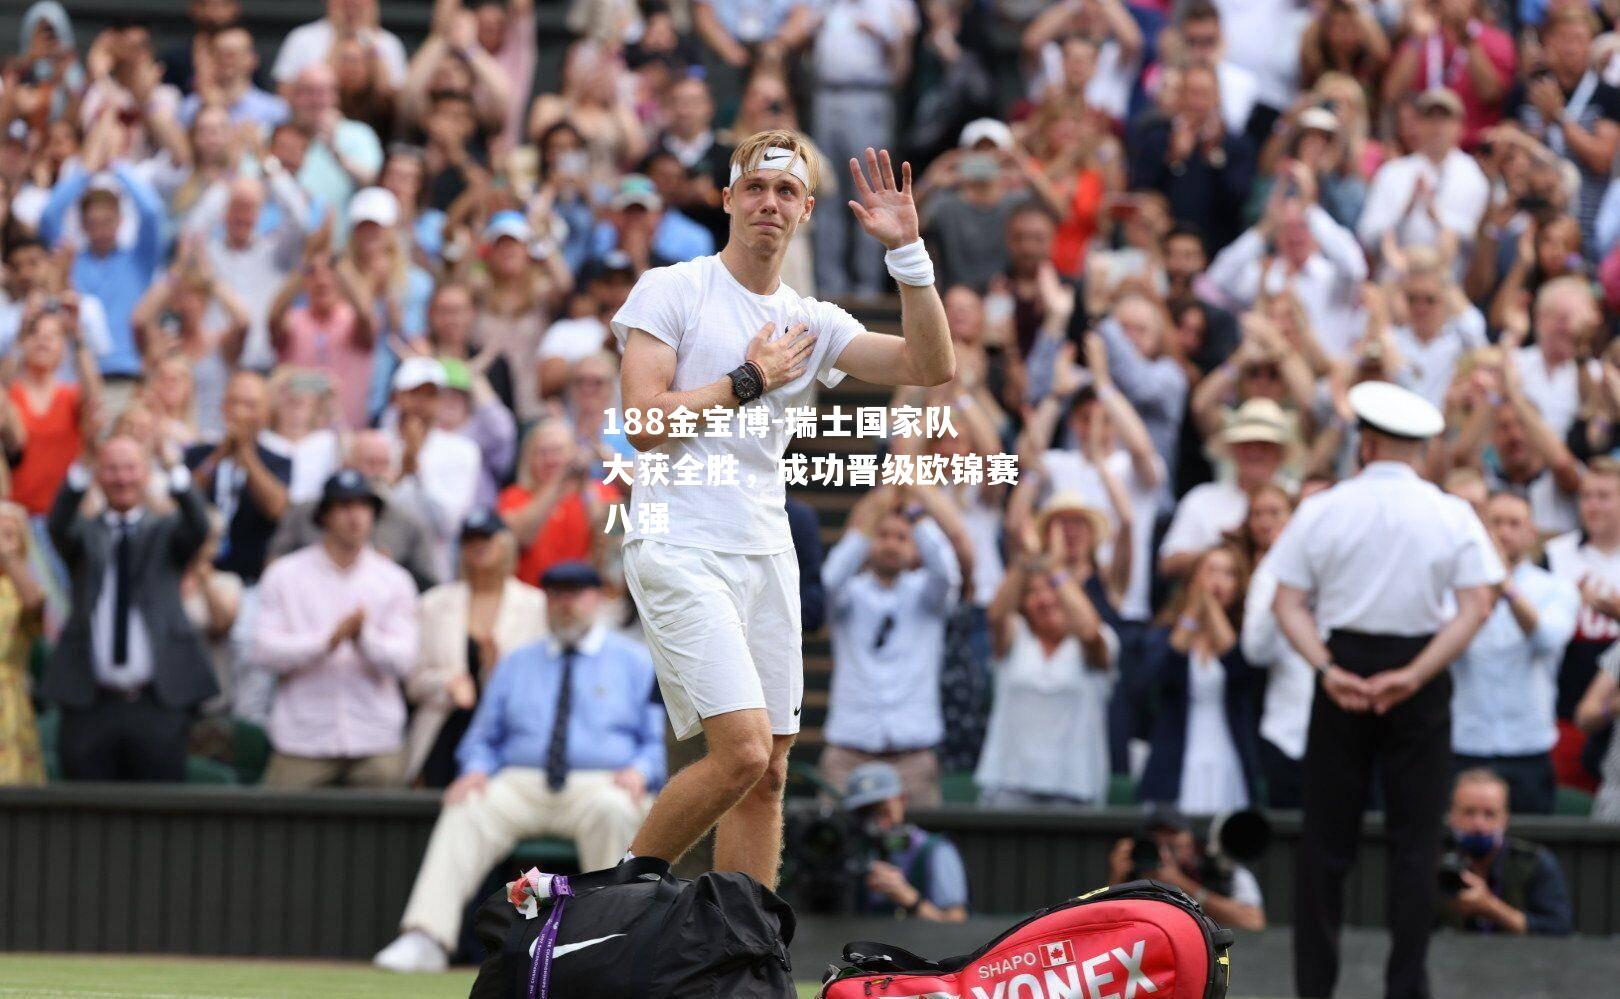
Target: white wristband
<point x="910" y="264"/>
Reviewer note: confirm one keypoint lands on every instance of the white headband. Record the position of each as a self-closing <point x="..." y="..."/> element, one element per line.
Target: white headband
<point x="777" y="158"/>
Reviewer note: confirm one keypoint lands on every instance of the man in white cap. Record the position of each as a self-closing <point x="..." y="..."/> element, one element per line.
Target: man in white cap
<point x="712" y="566"/>
<point x="1435" y="189"/>
<point x="1401" y="576"/>
<point x="967" y="204"/>
<point x="445" y="466"/>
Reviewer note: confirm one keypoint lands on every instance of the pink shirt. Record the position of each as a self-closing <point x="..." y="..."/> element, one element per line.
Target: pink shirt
<point x="344" y="702"/>
<point x="329" y="345"/>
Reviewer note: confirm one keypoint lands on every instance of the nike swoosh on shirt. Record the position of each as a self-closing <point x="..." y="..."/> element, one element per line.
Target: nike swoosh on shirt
<point x="557" y="952"/>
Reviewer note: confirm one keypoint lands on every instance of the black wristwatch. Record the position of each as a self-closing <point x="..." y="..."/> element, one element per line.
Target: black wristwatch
<point x="746" y="382"/>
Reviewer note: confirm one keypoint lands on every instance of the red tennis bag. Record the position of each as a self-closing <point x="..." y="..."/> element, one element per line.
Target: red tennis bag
<point x="1141" y="940"/>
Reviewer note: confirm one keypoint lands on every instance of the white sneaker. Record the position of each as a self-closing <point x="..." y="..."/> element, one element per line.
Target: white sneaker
<point x="414" y="951"/>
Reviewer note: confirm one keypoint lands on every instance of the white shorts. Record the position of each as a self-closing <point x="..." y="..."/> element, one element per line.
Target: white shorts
<point x="723" y="629"/>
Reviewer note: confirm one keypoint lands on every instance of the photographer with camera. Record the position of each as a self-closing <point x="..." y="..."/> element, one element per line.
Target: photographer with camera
<point x="1165" y="849"/>
<point x="908" y="870"/>
<point x="1495" y="884"/>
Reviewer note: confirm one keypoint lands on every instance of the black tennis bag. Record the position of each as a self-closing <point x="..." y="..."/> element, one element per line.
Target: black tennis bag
<point x="637" y="932"/>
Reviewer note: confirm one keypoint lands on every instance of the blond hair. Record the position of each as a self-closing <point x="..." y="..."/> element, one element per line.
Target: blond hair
<point x="751" y="151"/>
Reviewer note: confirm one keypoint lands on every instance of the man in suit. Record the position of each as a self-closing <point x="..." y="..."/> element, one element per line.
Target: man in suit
<point x="129" y="667"/>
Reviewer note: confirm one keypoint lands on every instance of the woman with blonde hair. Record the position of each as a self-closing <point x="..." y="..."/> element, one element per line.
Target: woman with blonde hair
<point x="1340" y="94"/>
<point x="466" y="627"/>
<point x="170" y="392"/>
<point x="22" y="617"/>
<point x="1083" y="167"/>
<point x="1053" y="657"/>
<point x="596" y="99"/>
<point x="1203" y="757"/>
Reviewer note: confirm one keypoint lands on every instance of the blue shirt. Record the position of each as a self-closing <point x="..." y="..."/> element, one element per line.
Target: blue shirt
<point x="750" y="21"/>
<point x="1505" y="684"/>
<point x="121" y="277"/>
<point x="613" y="720"/>
<point x="676" y="239"/>
<point x="260" y="107"/>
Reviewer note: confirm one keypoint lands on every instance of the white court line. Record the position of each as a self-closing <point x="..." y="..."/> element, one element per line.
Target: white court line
<point x="101" y="994"/>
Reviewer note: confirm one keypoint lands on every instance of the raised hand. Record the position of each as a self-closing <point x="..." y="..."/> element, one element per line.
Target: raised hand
<point x="885" y="209"/>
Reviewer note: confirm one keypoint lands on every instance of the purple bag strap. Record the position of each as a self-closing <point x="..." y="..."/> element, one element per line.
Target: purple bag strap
<point x="540" y="970"/>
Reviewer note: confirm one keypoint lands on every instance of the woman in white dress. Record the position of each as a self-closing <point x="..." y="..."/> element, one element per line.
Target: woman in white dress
<point x="1053" y="657"/>
<point x="1203" y="756"/>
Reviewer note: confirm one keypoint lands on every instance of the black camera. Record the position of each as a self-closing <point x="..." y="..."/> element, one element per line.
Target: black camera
<point x="1235" y="838"/>
<point x="826" y="855"/>
<point x="1145" y="857"/>
<point x="1450" y="873"/>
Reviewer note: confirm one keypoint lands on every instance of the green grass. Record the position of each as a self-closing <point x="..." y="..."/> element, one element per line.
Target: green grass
<point x="188" y="978"/>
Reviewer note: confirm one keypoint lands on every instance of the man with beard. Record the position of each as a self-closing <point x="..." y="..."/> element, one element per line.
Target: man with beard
<point x="566" y="741"/>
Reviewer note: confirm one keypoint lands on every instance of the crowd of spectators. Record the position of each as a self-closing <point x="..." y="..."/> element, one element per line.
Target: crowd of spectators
<point x="309" y="381"/>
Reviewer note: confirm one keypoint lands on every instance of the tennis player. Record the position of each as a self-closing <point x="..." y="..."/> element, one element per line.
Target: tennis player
<point x="718" y="590"/>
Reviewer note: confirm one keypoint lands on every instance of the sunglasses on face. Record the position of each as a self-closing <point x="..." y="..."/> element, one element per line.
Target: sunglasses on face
<point x="1422" y="298"/>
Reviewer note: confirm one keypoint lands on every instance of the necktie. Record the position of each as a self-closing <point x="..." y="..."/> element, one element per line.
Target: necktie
<point x="557" y="752"/>
<point x="123" y="583"/>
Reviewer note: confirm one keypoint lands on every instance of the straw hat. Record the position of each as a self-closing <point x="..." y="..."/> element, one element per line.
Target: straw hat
<point x="1070" y="502"/>
<point x="1258" y="421"/>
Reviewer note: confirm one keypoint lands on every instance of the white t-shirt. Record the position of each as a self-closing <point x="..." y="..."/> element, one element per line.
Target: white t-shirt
<point x="1069" y="472"/>
<point x="1431" y="365"/>
<point x="1383" y="553"/>
<point x="1571" y="558"/>
<point x="573" y="339"/>
<point x="1108" y="90"/>
<point x="1048" y="729"/>
<point x="1555" y="391"/>
<point x="700" y="309"/>
<point x="311" y="43"/>
<point x="1203" y="515"/>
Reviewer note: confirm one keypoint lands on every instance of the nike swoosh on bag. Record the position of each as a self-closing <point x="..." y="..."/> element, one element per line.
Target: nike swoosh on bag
<point x="557" y="952"/>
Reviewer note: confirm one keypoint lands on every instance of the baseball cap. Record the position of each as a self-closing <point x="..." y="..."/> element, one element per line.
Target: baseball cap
<point x="871" y="783"/>
<point x="613" y="262"/>
<point x="1319" y="120"/>
<point x="343" y="486"/>
<point x="980" y="129"/>
<point x="571" y="575"/>
<point x="1439" y="99"/>
<point x="374" y="204"/>
<point x="414" y="372"/>
<point x="508" y="223"/>
<point x="483" y="523"/>
<point x="637" y="191"/>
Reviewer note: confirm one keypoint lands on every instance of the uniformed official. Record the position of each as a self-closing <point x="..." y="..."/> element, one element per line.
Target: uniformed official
<point x="1401" y="576"/>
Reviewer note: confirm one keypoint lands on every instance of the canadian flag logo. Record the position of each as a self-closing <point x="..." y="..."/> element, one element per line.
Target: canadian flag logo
<point x="1057" y="953"/>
